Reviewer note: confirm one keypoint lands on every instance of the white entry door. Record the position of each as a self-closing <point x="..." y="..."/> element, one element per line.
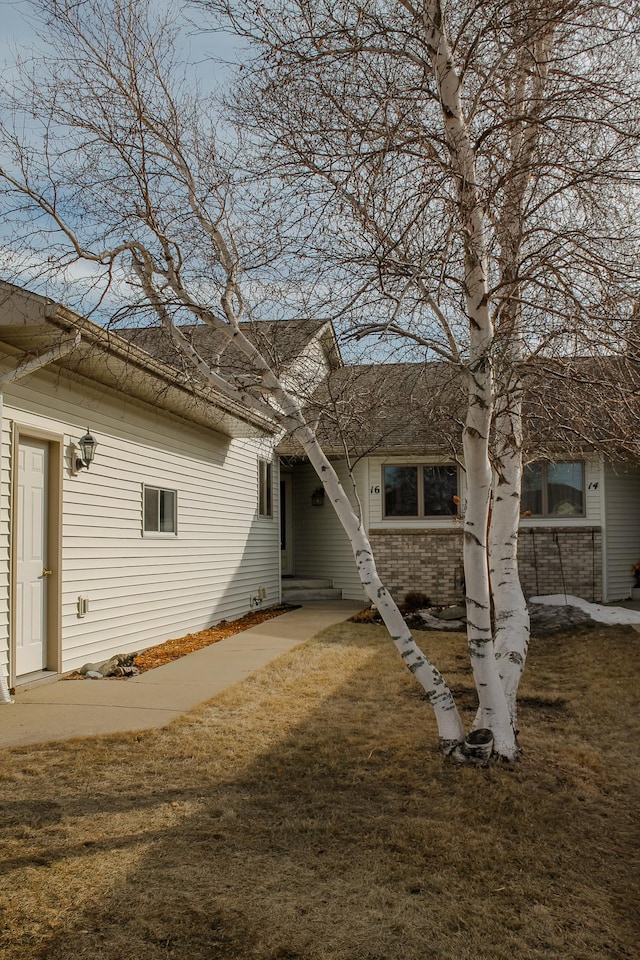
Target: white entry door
<point x="31" y="550"/>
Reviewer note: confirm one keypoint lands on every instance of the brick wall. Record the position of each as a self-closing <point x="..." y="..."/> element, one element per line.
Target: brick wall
<point x="552" y="560"/>
<point x="561" y="559"/>
<point x="428" y="561"/>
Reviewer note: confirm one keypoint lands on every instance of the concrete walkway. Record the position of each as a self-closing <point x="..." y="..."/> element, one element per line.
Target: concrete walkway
<point x="81" y="708"/>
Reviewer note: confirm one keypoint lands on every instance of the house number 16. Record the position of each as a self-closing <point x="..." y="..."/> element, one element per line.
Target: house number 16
<point x="375" y="488"/>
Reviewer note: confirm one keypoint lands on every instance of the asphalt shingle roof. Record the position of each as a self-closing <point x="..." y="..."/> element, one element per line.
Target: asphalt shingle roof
<point x="570" y="405"/>
<point x="280" y="343"/>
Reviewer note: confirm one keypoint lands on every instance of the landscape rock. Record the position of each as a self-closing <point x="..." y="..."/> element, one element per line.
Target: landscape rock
<point x="94" y="675"/>
<point x="131" y="671"/>
<point x="455" y="612"/>
<point x="89" y="668"/>
<point x="121" y="665"/>
<point x="432" y="621"/>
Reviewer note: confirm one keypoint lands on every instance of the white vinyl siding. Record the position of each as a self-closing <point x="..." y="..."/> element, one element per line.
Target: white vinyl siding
<point x="143" y="590"/>
<point x="322" y="548"/>
<point x="308" y="370"/>
<point x="622" y="534"/>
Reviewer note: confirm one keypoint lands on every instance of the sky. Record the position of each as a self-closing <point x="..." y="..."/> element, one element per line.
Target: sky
<point x="207" y="50"/>
<point x="14" y="27"/>
<point x="210" y="55"/>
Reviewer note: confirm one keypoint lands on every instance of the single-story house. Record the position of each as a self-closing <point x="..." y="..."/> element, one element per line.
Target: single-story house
<point x="401" y="425"/>
<point x="195" y="509"/>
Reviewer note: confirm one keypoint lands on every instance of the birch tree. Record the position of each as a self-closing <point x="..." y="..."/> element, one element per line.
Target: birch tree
<point x="480" y="162"/>
<point x="112" y="163"/>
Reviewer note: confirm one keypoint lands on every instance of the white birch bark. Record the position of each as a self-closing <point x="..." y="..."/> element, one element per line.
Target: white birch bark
<point x="511" y="616"/>
<point x="510" y="609"/>
<point x="493" y="712"/>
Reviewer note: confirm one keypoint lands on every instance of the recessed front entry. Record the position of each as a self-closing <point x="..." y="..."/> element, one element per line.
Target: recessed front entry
<point x="286" y="525"/>
<point x="32" y="571"/>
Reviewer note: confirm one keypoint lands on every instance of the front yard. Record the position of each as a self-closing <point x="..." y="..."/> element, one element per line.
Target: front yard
<point x="305" y="815"/>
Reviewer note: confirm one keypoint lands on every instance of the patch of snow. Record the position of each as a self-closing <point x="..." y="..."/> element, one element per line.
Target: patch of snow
<point x="595" y="610"/>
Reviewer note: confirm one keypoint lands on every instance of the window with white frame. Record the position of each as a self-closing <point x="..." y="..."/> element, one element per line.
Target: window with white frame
<point x="420" y="490"/>
<point x="265" y="488"/>
<point x="553" y="490"/>
<point x="160" y="511"/>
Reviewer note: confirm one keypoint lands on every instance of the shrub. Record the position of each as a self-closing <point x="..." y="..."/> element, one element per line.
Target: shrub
<point x="415" y="600"/>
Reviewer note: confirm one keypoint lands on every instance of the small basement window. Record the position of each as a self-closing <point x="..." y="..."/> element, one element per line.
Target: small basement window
<point x="553" y="490"/>
<point x="265" y="488"/>
<point x="160" y="514"/>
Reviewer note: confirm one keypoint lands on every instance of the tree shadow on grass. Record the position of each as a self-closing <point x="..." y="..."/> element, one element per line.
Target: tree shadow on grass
<point x="297" y="817"/>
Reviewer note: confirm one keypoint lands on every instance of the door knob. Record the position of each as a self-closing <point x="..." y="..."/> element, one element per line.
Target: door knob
<point x="47" y="573"/>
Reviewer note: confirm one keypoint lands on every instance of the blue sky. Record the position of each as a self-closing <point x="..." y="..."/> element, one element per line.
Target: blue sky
<point x="15" y="28"/>
<point x="13" y="25"/>
<point x="206" y="50"/>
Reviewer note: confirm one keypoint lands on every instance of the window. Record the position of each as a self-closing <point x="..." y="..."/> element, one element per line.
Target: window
<point x="420" y="490"/>
<point x="160" y="511"/>
<point x="553" y="490"/>
<point x="265" y="488"/>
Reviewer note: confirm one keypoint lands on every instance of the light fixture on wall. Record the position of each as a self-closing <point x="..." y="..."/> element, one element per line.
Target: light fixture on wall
<point x="87" y="445"/>
<point x="317" y="497"/>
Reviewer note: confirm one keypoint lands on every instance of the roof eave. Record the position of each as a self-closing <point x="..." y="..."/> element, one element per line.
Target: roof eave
<point x="107" y="359"/>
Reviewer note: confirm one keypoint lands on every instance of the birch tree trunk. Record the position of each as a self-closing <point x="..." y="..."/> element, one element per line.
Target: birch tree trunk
<point x="511" y="616"/>
<point x="510" y="608"/>
<point x="450" y="728"/>
<point x="493" y="712"/>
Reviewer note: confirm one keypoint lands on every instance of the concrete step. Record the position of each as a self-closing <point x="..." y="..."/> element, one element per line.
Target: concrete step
<point x="311" y="582"/>
<point x="300" y="594"/>
<point x="299" y="589"/>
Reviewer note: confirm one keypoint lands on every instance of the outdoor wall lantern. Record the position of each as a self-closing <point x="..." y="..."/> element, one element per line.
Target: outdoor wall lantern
<point x="87" y="445"/>
<point x="317" y="497"/>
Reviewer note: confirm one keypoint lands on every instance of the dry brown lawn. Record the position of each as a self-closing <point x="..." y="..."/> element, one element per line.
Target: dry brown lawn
<point x="305" y="815"/>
